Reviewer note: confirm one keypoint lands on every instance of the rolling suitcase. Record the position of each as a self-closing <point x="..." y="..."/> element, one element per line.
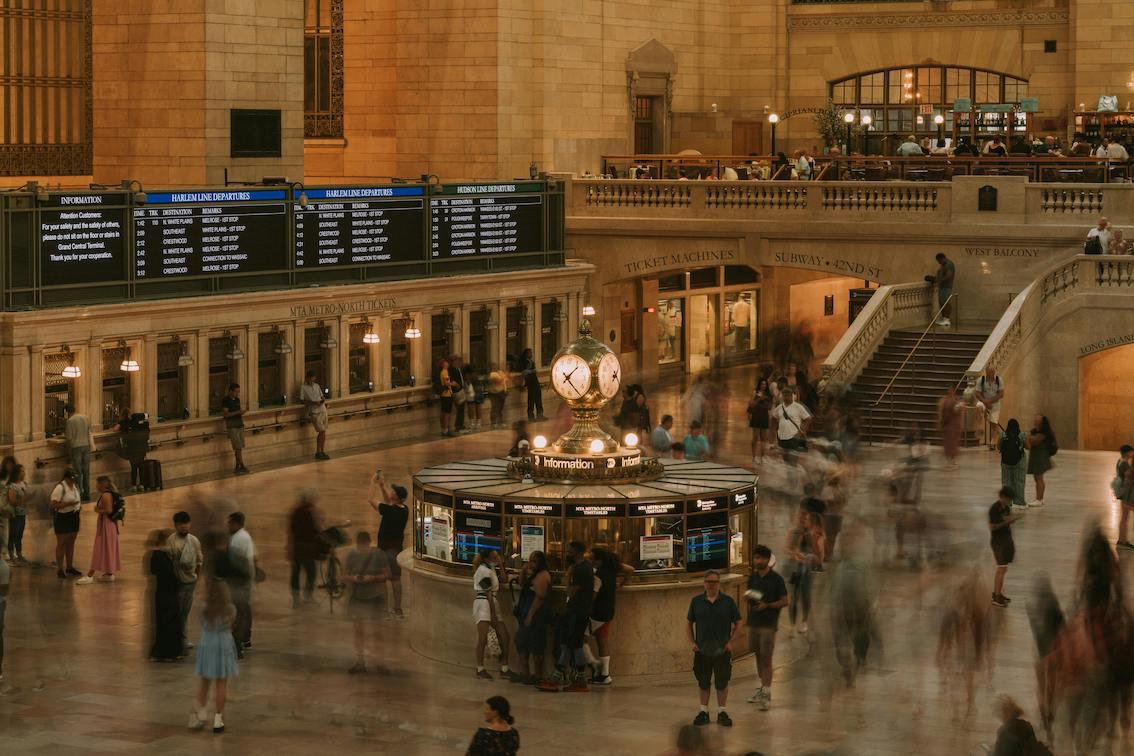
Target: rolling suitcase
<point x="151" y="474"/>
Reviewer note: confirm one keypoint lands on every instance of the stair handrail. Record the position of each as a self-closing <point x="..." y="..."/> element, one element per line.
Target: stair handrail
<point x="932" y="325"/>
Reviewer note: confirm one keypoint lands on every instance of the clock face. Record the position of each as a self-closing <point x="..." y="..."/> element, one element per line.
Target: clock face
<point x="609" y="376"/>
<point x="571" y="377"/>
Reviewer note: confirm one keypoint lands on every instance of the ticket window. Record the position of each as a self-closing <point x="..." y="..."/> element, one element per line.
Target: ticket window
<point x="740" y="322"/>
<point x="527" y="534"/>
<point x="475" y="533"/>
<point x="401" y="355"/>
<point x="515" y="342"/>
<point x="613" y="533"/>
<point x="172" y="383"/>
<point x="742" y="537"/>
<point x="222" y="372"/>
<point x="707" y="542"/>
<point x="358" y="363"/>
<point x="671" y="331"/>
<point x="480" y="344"/>
<point x="549" y="332"/>
<point x="115" y="386"/>
<point x="269" y="371"/>
<point x="441" y="341"/>
<point x="315" y="356"/>
<point x="58" y="391"/>
<point x="434" y="531"/>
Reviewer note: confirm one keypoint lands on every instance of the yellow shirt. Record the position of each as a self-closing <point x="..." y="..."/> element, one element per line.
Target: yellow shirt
<point x="445" y="389"/>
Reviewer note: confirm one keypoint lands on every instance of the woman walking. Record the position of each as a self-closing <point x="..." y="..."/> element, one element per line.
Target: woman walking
<point x="105" y="558"/>
<point x="16" y="491"/>
<point x="949" y="419"/>
<point x="1041" y="447"/>
<point x="803" y="547"/>
<point x="66" y="500"/>
<point x="216" y="655"/>
<point x="1013" y="462"/>
<point x="166" y="644"/>
<point x="758" y="408"/>
<point x="498" y="737"/>
<point x="486" y="613"/>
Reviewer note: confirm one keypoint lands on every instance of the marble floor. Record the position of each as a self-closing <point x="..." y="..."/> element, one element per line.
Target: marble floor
<point x="77" y="679"/>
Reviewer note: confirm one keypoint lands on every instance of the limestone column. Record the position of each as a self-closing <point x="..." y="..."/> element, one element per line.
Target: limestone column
<point x="380" y="363"/>
<point x="198" y="386"/>
<point x="289" y="361"/>
<point x="341" y="364"/>
<point x="251" y="384"/>
<point x="36" y="387"/>
<point x="143" y="384"/>
<point x="89" y="401"/>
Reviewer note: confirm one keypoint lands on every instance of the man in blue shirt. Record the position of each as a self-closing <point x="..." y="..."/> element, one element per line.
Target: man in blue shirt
<point x="714" y="620"/>
<point x="660" y="439"/>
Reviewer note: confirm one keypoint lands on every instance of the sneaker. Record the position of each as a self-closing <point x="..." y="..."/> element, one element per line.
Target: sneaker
<point x="1125" y="545"/>
<point x="84" y="580"/>
<point x="603" y="680"/>
<point x="723" y="719"/>
<point x="73" y="572"/>
<point x="483" y="674"/>
<point x="701" y="719"/>
<point x="1000" y="602"/>
<point x="513" y="676"/>
<point x="61" y="575"/>
<point x="579" y="686"/>
<point x="1036" y="503"/>
<point x="322" y="455"/>
<point x="549" y="686"/>
<point x="196" y="720"/>
<point x="399" y="614"/>
<point x="765" y="701"/>
<point x="357" y="669"/>
<point x="105" y="579"/>
<point x="1005" y="599"/>
<point x="757" y="697"/>
<point x="218" y="724"/>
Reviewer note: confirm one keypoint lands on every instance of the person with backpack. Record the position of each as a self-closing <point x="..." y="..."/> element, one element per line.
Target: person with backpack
<point x="1041" y="448"/>
<point x="1013" y="461"/>
<point x="111" y="508"/>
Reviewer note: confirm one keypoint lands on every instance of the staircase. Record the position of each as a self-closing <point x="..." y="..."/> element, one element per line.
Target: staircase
<point x="940" y="361"/>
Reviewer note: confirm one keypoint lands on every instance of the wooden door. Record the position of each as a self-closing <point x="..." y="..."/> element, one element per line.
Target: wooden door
<point x="747" y="137"/>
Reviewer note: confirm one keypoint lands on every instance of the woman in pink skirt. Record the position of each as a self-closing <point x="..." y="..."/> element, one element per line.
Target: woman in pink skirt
<point x="105" y="558"/>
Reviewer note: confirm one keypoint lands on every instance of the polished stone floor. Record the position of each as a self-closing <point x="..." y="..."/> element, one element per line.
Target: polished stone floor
<point x="77" y="680"/>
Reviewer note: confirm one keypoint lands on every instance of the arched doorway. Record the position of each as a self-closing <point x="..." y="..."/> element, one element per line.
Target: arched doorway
<point x="1106" y="383"/>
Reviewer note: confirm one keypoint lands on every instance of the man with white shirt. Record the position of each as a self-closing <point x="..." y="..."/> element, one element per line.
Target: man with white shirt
<point x="1112" y="151"/>
<point x="792" y="420"/>
<point x="661" y="440"/>
<point x="990" y="390"/>
<point x="242" y="563"/>
<point x="311" y="394"/>
<point x="188" y="557"/>
<point x="910" y="147"/>
<point x="1103" y="233"/>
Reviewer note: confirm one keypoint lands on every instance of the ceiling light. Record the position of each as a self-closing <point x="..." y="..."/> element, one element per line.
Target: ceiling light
<point x="72" y="371"/>
<point x="412" y="331"/>
<point x="328" y="341"/>
<point x="234" y="352"/>
<point x="128" y="365"/>
<point x="282" y="347"/>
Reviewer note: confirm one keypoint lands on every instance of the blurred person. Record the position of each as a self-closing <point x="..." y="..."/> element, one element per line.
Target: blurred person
<point x="521" y="444"/>
<point x="311" y="395"/>
<point x="1000" y="519"/>
<point x="66" y="501"/>
<point x="391" y="531"/>
<point x="803" y="549"/>
<point x="759" y="407"/>
<point x="573" y="623"/>
<point x="791" y="420"/>
<point x="105" y="557"/>
<point x="909" y="521"/>
<point x="498" y="380"/>
<point x="304" y="545"/>
<point x="610" y="573"/>
<point x="188" y="557"/>
<point x="5" y="586"/>
<point x="834" y="496"/>
<point x="476" y="392"/>
<point x="443" y="385"/>
<point x="695" y="444"/>
<point x="1118" y="244"/>
<point x="852" y="615"/>
<point x="367" y="569"/>
<point x="167" y="641"/>
<point x="943" y="279"/>
<point x="1098" y="238"/>
<point x="533" y="613"/>
<point x="964" y="643"/>
<point x="1016" y="737"/>
<point x="713" y="622"/>
<point x="641" y="415"/>
<point x="990" y="392"/>
<point x="77" y="433"/>
<point x="695" y="397"/>
<point x="767" y="595"/>
<point x="531" y="383"/>
<point x="459" y="384"/>
<point x="241" y="558"/>
<point x="15" y="489"/>
<point x="133" y="444"/>
<point x="627" y="419"/>
<point x="661" y="440"/>
<point x="690" y="741"/>
<point x="498" y="737"/>
<point x="949" y="416"/>
<point x="1123" y="488"/>
<point x="487" y="574"/>
<point x="1013" y="461"/>
<point x="677" y="451"/>
<point x="234" y="425"/>
<point x="217" y="655"/>
<point x="1041" y="447"/>
<point x="7" y="509"/>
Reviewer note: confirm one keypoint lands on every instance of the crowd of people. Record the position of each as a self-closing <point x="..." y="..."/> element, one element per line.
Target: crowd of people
<point x="462" y="389"/>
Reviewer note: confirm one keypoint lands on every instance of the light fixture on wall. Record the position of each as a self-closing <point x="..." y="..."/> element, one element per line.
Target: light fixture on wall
<point x="370" y="337"/>
<point x="490" y="324"/>
<point x="560" y="311"/>
<point x="327" y="341"/>
<point x="526" y="318"/>
<point x="128" y="365"/>
<point x="453" y="326"/>
<point x="71" y="370"/>
<point x="412" y="331"/>
<point x="282" y="347"/>
<point x="588" y="311"/>
<point x="234" y="352"/>
<point x="184" y="359"/>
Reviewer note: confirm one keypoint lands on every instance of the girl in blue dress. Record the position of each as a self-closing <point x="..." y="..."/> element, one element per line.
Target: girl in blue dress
<point x="216" y="655"/>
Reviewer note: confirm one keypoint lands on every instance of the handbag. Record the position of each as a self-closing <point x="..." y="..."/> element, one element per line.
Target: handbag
<point x="492" y="648"/>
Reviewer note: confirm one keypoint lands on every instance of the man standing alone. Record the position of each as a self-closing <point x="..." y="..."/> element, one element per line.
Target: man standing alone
<point x="943" y="279"/>
<point x="187" y="555"/>
<point x="1000" y="519"/>
<point x="714" y="620"/>
<point x="767" y="595"/>
<point x="77" y="431"/>
<point x="311" y="394"/>
<point x="242" y="560"/>
<point x="234" y="425"/>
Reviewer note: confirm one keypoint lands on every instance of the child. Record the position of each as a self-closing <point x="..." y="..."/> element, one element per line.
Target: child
<point x="216" y="655"/>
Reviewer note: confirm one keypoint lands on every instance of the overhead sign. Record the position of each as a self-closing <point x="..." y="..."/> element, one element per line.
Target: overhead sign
<point x="359" y="226"/>
<point x="596" y="510"/>
<point x="82" y="238"/>
<point x="475" y="504"/>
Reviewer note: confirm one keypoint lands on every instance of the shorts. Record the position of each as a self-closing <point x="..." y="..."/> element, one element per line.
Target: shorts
<point x="762" y="642"/>
<point x="532" y="639"/>
<point x="319" y="420"/>
<point x="482" y="610"/>
<point x="759" y="423"/>
<point x="1005" y="553"/>
<point x="65" y="522"/>
<point x="391" y="553"/>
<point x="709" y="668"/>
<point x="600" y="628"/>
<point x="793" y="444"/>
<point x="236" y="438"/>
<point x="365" y="609"/>
<point x="446" y="404"/>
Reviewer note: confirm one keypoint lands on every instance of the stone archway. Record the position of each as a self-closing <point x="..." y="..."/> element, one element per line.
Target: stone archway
<point x="1106" y="383"/>
<point x="650" y="71"/>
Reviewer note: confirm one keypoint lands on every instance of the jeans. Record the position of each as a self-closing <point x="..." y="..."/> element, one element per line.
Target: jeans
<point x="1015" y="477"/>
<point x="535" y="399"/>
<point x="242" y="624"/>
<point x="800" y="594"/>
<point x="185" y="603"/>
<point x="80" y="458"/>
<point x="16" y="535"/>
<point x="497" y="411"/>
<point x="308" y="566"/>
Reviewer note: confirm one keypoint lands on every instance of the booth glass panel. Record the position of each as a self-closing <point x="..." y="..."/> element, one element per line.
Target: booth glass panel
<point x="401" y="354"/>
<point x="58" y="392"/>
<point x="171" y="384"/>
<point x="359" y="359"/>
<point x="269" y="371"/>
<point x="222" y="372"/>
<point x="435" y="532"/>
<point x="527" y="533"/>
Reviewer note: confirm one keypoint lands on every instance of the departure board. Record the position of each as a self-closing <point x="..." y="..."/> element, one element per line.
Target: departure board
<point x="82" y="238"/>
<point x="359" y="226"/>
<point x="210" y="233"/>
<point x="482" y="220"/>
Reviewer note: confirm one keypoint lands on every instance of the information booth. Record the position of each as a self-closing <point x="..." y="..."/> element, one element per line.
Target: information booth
<point x="672" y="520"/>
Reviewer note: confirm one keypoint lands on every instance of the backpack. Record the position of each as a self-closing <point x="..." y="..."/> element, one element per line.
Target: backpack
<point x="1011" y="451"/>
<point x="117" y="507"/>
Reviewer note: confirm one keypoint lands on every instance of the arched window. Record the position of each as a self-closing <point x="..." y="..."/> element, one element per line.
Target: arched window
<point x="905" y="100"/>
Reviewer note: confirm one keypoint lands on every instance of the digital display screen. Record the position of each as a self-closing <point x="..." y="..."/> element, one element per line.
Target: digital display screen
<point x="475" y="534"/>
<point x="210" y="233"/>
<point x="82" y="238"/>
<point x="359" y="226"/>
<point x="472" y="226"/>
<point x="706" y="543"/>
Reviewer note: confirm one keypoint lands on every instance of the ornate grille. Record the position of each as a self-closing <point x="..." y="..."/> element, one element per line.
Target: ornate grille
<point x="323" y="69"/>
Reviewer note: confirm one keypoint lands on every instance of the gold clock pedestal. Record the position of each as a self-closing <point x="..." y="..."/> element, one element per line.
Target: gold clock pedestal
<point x="580" y="439"/>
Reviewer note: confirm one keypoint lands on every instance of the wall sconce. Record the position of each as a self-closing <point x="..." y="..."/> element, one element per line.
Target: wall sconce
<point x="490" y="324"/>
<point x="128" y="365"/>
<point x="588" y="311"/>
<point x="71" y="370"/>
<point x="184" y="359"/>
<point x="370" y="337"/>
<point x="526" y="318"/>
<point x="328" y="341"/>
<point x="412" y="331"/>
<point x="282" y="347"/>
<point x="234" y="352"/>
<point x="560" y="313"/>
<point x="453" y="327"/>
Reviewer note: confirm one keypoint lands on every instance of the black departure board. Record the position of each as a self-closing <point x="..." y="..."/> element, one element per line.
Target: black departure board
<point x="359" y="226"/>
<point x="210" y="233"/>
<point x="482" y="220"/>
<point x="82" y="238"/>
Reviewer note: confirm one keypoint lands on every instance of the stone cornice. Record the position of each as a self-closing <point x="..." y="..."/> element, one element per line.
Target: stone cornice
<point x="972" y="19"/>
